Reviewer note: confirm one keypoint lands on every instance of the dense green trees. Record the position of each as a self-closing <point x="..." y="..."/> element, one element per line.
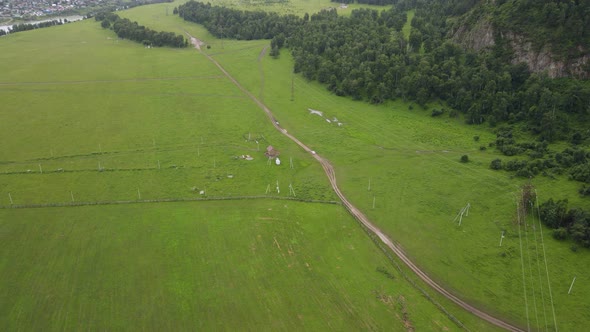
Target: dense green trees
<point x="574" y="222"/>
<point x="237" y="24"/>
<point x="124" y="28"/>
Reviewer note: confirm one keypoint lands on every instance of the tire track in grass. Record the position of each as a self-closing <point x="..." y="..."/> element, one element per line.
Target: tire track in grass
<point x="357" y="214"/>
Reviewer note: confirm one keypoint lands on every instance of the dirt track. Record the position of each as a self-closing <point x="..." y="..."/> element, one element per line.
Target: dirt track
<point x="329" y="170"/>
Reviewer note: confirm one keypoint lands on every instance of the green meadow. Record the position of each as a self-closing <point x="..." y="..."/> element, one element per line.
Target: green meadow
<point x="247" y="265"/>
<point x="90" y="118"/>
<point x="87" y="119"/>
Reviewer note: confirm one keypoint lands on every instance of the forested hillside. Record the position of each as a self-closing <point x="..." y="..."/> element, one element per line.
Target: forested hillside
<point x="367" y="57"/>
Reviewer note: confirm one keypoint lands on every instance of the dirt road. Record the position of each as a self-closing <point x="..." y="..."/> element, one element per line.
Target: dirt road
<point x="329" y="170"/>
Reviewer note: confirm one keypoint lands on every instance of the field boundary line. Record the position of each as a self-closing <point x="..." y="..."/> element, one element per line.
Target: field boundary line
<point x="138" y="79"/>
<point x="164" y="200"/>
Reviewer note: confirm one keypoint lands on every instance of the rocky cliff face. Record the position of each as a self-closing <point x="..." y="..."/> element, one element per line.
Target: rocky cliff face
<point x="482" y="36"/>
<point x="478" y="38"/>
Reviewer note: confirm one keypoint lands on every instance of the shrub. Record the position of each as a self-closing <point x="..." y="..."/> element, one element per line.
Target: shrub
<point x="584" y="191"/>
<point x="560" y="234"/>
<point x="515" y="165"/>
<point x="496" y="164"/>
<point x="437" y="112"/>
<point x="524" y="173"/>
<point x="464" y="158"/>
<point x="581" y="173"/>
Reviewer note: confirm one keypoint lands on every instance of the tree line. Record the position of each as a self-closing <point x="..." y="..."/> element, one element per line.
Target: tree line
<point x="126" y="29"/>
<point x="32" y="26"/>
<point x="238" y="24"/>
<point x="369" y="2"/>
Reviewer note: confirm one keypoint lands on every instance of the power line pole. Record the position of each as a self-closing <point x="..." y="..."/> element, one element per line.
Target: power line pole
<point x="572" y="285"/>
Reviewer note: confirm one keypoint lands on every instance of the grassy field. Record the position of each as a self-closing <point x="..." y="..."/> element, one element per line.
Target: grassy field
<point x="419" y="187"/>
<point x="264" y="265"/>
<point x="167" y="128"/>
<point x="90" y="118"/>
<point x="136" y="108"/>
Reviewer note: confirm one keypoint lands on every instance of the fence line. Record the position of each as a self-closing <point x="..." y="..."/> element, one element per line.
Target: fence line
<point x="163" y="200"/>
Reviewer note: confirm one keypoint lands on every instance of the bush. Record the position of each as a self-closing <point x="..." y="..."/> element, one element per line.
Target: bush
<point x="577" y="138"/>
<point x="515" y="165"/>
<point x="496" y="164"/>
<point x="464" y="158"/>
<point x="581" y="173"/>
<point x="553" y="213"/>
<point x="560" y="234"/>
<point x="437" y="112"/>
<point x="524" y="173"/>
<point x="584" y="191"/>
<point x="510" y="150"/>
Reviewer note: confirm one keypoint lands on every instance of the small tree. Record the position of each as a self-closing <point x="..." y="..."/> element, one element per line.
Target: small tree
<point x="496" y="164"/>
<point x="274" y="52"/>
<point x="464" y="158"/>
